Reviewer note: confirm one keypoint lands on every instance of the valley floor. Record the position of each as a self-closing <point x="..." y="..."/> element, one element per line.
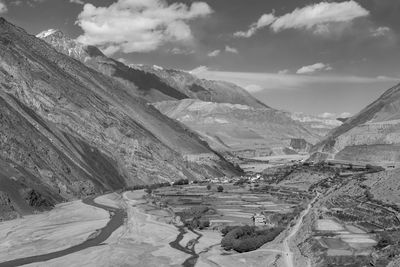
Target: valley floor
<point x="143" y="240"/>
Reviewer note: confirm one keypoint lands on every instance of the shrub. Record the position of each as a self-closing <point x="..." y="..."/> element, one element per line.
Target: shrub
<point x="220" y="188"/>
<point x="209" y="187"/>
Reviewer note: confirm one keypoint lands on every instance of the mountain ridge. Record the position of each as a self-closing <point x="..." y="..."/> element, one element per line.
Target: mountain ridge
<point x="375" y="127"/>
<point x="83" y="132"/>
<point x="151" y="83"/>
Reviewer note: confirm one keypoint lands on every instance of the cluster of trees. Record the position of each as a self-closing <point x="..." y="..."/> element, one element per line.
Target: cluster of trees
<point x="247" y="238"/>
<point x="147" y="186"/>
<point x="193" y="217"/>
<point x="150" y="187"/>
<point x="181" y="182"/>
<point x="220" y="188"/>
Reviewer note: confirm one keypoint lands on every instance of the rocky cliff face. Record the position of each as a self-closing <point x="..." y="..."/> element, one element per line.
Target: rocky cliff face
<point x="153" y="83"/>
<point x="68" y="131"/>
<point x="372" y="135"/>
<point x="240" y="129"/>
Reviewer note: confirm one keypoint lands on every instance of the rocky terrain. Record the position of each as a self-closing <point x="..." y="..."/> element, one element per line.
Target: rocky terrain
<point x="153" y="83"/>
<point x="241" y="129"/>
<point x="372" y="135"/>
<point x="68" y="131"/>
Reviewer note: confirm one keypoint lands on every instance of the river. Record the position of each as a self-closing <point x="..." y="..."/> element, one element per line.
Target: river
<point x="96" y="239"/>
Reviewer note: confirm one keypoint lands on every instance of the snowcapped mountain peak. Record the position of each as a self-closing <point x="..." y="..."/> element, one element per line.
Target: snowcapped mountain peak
<point x="48" y="32"/>
<point x="67" y="45"/>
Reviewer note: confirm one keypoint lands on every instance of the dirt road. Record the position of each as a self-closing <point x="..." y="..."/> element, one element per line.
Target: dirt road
<point x="287" y="253"/>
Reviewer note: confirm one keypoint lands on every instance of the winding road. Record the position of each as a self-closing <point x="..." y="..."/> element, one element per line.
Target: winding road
<point x="95" y="239"/>
<point x="287" y="253"/>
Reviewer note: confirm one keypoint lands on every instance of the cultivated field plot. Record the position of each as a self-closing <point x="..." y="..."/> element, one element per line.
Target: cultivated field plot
<point x="258" y="164"/>
<point x="342" y="239"/>
<point x="234" y="206"/>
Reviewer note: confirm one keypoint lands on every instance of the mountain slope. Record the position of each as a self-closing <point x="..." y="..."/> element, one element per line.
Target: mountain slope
<point x="151" y="82"/>
<point x="205" y="90"/>
<point x="68" y="131"/>
<point x="318" y="125"/>
<point x="243" y="130"/>
<point x="372" y="135"/>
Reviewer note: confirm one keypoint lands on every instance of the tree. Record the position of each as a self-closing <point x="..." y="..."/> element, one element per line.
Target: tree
<point x="209" y="187"/>
<point x="220" y="188"/>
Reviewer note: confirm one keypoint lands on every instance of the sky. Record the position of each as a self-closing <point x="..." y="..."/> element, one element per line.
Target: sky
<point x="325" y="58"/>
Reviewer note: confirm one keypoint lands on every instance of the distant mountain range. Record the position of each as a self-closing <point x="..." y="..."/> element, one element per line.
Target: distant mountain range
<point x="68" y="131"/>
<point x="318" y="125"/>
<point x="372" y="135"/>
<point x="243" y="130"/>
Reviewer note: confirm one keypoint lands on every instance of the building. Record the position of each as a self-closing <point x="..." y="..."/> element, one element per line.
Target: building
<point x="259" y="219"/>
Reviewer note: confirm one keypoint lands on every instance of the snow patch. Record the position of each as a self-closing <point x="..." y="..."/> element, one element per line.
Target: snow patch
<point x="44" y="34"/>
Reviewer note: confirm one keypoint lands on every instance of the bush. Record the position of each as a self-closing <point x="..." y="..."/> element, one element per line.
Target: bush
<point x="220" y="188"/>
<point x="209" y="187"/>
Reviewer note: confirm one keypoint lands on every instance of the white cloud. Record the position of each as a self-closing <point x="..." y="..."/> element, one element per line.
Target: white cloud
<point x="79" y="2"/>
<point x="316" y="17"/>
<point x="333" y="116"/>
<point x="327" y="115"/>
<point x="253" y="88"/>
<point x="380" y="31"/>
<point x="231" y="50"/>
<point x="214" y="53"/>
<point x="3" y="7"/>
<point x="319" y="15"/>
<point x="263" y="21"/>
<point x="138" y="25"/>
<point x="274" y="81"/>
<point x="345" y="115"/>
<point x="386" y="78"/>
<point x="283" y="72"/>
<point x="181" y="51"/>
<point x="313" y="68"/>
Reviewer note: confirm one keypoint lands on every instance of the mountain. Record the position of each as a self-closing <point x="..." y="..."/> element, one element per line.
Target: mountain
<point x="153" y="83"/>
<point x="321" y="126"/>
<point x="372" y="135"/>
<point x="68" y="131"/>
<point x="205" y="90"/>
<point x="240" y="129"/>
